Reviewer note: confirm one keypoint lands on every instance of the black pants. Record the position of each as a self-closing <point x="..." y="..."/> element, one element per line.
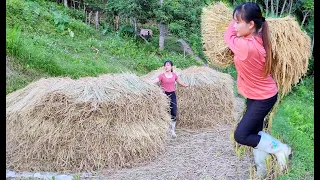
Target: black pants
<point x="252" y="121"/>
<point x="173" y="104"/>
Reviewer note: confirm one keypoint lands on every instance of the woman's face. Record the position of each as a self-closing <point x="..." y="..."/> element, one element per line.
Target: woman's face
<point x="242" y="28"/>
<point x="167" y="67"/>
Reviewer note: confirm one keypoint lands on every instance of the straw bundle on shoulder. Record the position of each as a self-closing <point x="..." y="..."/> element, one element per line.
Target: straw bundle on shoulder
<point x="214" y="22"/>
<point x="65" y="125"/>
<point x="209" y="100"/>
<point x="291" y="48"/>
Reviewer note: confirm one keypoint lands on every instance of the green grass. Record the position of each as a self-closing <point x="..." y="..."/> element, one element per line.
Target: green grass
<point x="294" y="123"/>
<point x="52" y="39"/>
<point x="19" y="76"/>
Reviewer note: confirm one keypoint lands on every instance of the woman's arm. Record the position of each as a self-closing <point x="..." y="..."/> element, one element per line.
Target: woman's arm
<point x="238" y="45"/>
<point x="154" y="81"/>
<point x="182" y="83"/>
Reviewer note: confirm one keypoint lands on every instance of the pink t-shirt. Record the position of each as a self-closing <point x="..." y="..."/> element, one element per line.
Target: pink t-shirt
<point x="249" y="60"/>
<point x="167" y="84"/>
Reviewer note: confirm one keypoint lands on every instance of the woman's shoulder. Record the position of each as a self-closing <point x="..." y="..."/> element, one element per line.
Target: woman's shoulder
<point x="174" y="74"/>
<point x="160" y="75"/>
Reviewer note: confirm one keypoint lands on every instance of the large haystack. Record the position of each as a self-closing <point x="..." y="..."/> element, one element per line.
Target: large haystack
<point x="209" y="100"/>
<point x="291" y="46"/>
<point x="214" y="22"/>
<point x="65" y="125"/>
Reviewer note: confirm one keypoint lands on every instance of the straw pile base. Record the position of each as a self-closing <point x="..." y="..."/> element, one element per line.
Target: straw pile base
<point x="66" y="125"/>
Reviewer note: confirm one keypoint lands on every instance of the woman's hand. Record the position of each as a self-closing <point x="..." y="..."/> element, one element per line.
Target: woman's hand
<point x="182" y="83"/>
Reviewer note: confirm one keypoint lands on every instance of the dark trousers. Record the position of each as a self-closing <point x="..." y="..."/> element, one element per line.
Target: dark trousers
<point x="252" y="121"/>
<point x="173" y="104"/>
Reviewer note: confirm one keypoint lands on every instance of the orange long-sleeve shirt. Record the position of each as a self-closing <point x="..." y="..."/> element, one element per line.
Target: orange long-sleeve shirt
<point x="249" y="60"/>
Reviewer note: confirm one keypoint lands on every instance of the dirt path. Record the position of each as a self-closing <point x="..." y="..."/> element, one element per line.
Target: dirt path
<point x="208" y="154"/>
<point x="189" y="51"/>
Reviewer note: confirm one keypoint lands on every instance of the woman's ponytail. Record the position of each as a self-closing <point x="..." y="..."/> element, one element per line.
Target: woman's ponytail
<point x="267" y="47"/>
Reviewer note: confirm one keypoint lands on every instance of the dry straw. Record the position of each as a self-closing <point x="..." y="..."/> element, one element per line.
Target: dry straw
<point x="291" y="47"/>
<point x="65" y="125"/>
<point x="214" y="22"/>
<point x="208" y="101"/>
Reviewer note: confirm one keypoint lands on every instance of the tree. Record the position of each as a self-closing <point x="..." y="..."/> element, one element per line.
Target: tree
<point x="267" y="7"/>
<point x="65" y="2"/>
<point x="284" y="5"/>
<point x="136" y="10"/>
<point x="307" y="9"/>
<point x="162" y="29"/>
<point x="272" y="11"/>
<point x="277" y="9"/>
<point x="290" y="6"/>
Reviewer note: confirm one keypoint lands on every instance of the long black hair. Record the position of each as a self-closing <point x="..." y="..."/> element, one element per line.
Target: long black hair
<point x="170" y="62"/>
<point x="250" y="11"/>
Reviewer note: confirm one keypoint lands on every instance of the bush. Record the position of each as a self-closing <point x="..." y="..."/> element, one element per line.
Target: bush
<point x="177" y="28"/>
<point x="126" y="31"/>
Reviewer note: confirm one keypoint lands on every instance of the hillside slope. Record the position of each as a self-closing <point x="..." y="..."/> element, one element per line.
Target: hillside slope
<point x="52" y="40"/>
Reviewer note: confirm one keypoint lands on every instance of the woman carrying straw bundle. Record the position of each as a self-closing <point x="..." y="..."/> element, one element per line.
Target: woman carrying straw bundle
<point x="167" y="80"/>
<point x="249" y="38"/>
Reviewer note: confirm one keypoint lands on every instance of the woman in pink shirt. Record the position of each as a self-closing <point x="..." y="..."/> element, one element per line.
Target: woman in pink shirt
<point x="249" y="39"/>
<point x="167" y="80"/>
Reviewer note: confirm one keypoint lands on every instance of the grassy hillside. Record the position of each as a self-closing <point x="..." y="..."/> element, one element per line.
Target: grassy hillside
<point x="294" y="123"/>
<point x="49" y="38"/>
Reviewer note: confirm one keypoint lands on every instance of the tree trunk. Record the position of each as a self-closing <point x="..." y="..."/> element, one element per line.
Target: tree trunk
<point x="85" y="13"/>
<point x="65" y="2"/>
<point x="312" y="42"/>
<point x="135" y="25"/>
<point x="272" y="11"/>
<point x="117" y="22"/>
<point x="96" y="22"/>
<point x="267" y="7"/>
<point x="284" y="5"/>
<point x="277" y="10"/>
<point x="84" y="10"/>
<point x="291" y="1"/>
<point x="89" y="18"/>
<point x="162" y="36"/>
<point x="305" y="15"/>
<point x="162" y="32"/>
